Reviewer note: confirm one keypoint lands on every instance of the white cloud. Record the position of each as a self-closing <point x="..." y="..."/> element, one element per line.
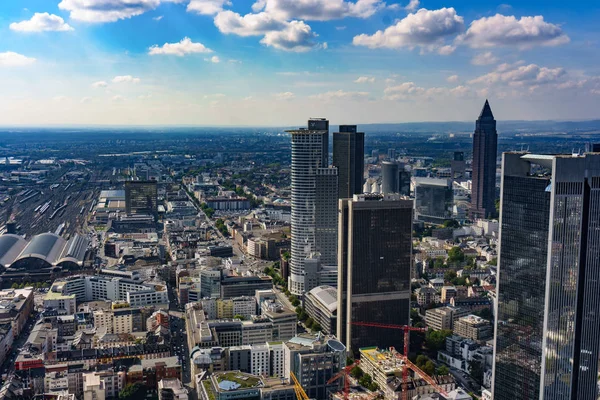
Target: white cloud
<point x="285" y="96"/>
<point x="106" y="10"/>
<point x="214" y="95"/>
<point x="234" y="61"/>
<point x="158" y="18"/>
<point x="181" y="48"/>
<point x="207" y="7"/>
<point x="41" y="22"/>
<point x="425" y="28"/>
<point x="248" y="25"/>
<point x="412" y="5"/>
<point x="60" y="99"/>
<point x="125" y="79"/>
<point x="99" y="84"/>
<point x="296" y="36"/>
<point x="214" y="59"/>
<point x="318" y="10"/>
<point x="118" y="98"/>
<point x="446" y="50"/>
<point x="364" y="79"/>
<point x="340" y="28"/>
<point x="521" y="75"/>
<point x="85" y="100"/>
<point x="452" y="79"/>
<point x="12" y="59"/>
<point x="501" y="30"/>
<point x="486" y="58"/>
<point x="409" y="90"/>
<point x="340" y="94"/>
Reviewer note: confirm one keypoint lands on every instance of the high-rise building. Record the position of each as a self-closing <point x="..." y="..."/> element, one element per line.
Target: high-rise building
<point x="458" y="166"/>
<point x="374" y="263"/>
<point x="141" y="197"/>
<point x="314" y="214"/>
<point x="391" y="154"/>
<point x="348" y="157"/>
<point x="389" y="177"/>
<point x="485" y="151"/>
<point x="433" y="199"/>
<point x="547" y="319"/>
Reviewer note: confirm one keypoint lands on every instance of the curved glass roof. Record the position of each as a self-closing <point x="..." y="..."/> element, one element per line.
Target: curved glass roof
<point x="10" y="247"/>
<point x="46" y="245"/>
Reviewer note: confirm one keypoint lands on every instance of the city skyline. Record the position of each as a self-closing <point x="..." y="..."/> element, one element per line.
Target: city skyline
<point x="216" y="62"/>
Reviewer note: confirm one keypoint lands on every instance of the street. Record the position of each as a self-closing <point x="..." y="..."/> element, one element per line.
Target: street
<point x="179" y="338"/>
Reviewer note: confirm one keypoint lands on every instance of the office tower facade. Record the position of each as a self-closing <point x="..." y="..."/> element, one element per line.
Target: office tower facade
<point x="348" y="157"/>
<point x="458" y="166"/>
<point x="389" y="177"/>
<point x="314" y="217"/>
<point x="433" y="199"/>
<point x="485" y="152"/>
<point x="548" y="311"/>
<point x="374" y="263"/>
<point x="141" y="197"/>
<point x="391" y="154"/>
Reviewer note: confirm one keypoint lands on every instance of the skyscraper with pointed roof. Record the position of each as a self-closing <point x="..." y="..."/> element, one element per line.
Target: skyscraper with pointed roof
<point x="485" y="150"/>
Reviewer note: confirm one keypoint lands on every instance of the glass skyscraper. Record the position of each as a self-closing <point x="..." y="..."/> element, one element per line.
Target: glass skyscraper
<point x="314" y="212"/>
<point x="485" y="152"/>
<point x="348" y="157"/>
<point x="141" y="197"/>
<point x="548" y="312"/>
<point x="374" y="263"/>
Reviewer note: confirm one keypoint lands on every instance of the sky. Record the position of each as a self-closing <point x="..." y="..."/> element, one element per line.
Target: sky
<point x="279" y="62"/>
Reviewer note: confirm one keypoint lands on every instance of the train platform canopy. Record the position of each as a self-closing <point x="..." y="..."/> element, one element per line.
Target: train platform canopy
<point x="43" y="250"/>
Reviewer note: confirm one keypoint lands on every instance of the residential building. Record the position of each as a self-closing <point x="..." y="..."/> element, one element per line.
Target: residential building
<point x="151" y="371"/>
<point x="485" y="152"/>
<point x="321" y="305"/>
<point x="474" y="328"/>
<point x="374" y="265"/>
<point x="16" y="305"/>
<point x="91" y="288"/>
<point x="314" y="360"/>
<point x="443" y="317"/>
<point x="63" y="304"/>
<point x="348" y="158"/>
<point x="546" y="341"/>
<point x="172" y="389"/>
<point x="427" y="295"/>
<point x="233" y="285"/>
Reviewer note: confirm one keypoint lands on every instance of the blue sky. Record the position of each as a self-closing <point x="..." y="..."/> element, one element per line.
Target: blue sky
<point x="277" y="62"/>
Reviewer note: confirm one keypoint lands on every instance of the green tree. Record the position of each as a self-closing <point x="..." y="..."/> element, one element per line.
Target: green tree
<point x="15" y="285"/>
<point x="493" y="261"/>
<point x="317" y="327"/>
<point x="455" y="254"/>
<point x="309" y="322"/>
<point x="415" y="317"/>
<point x="438" y="263"/>
<point x="436" y="340"/>
<point x="133" y="391"/>
<point x="451" y="223"/>
<point x="442" y="370"/>
<point x="449" y="276"/>
<point x="429" y="368"/>
<point x="356" y="372"/>
<point x="421" y="360"/>
<point x="240" y="317"/>
<point x="295" y="302"/>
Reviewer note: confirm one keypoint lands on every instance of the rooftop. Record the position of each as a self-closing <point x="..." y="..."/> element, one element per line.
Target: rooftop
<point x="232" y="380"/>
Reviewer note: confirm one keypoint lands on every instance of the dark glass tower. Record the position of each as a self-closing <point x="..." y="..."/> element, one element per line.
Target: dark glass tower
<point x="141" y="197"/>
<point x="374" y="263"/>
<point x="548" y="314"/>
<point x="348" y="157"/>
<point x="485" y="152"/>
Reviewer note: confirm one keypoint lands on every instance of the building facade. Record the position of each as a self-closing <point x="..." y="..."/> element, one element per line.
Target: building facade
<point x="546" y="331"/>
<point x="312" y="237"/>
<point x="348" y="157"/>
<point x="141" y="197"/>
<point x="485" y="152"/>
<point x="374" y="264"/>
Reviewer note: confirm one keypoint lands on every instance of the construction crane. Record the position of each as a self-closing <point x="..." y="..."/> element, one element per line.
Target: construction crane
<point x="345" y="372"/>
<point x="406" y="329"/>
<point x="300" y="393"/>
